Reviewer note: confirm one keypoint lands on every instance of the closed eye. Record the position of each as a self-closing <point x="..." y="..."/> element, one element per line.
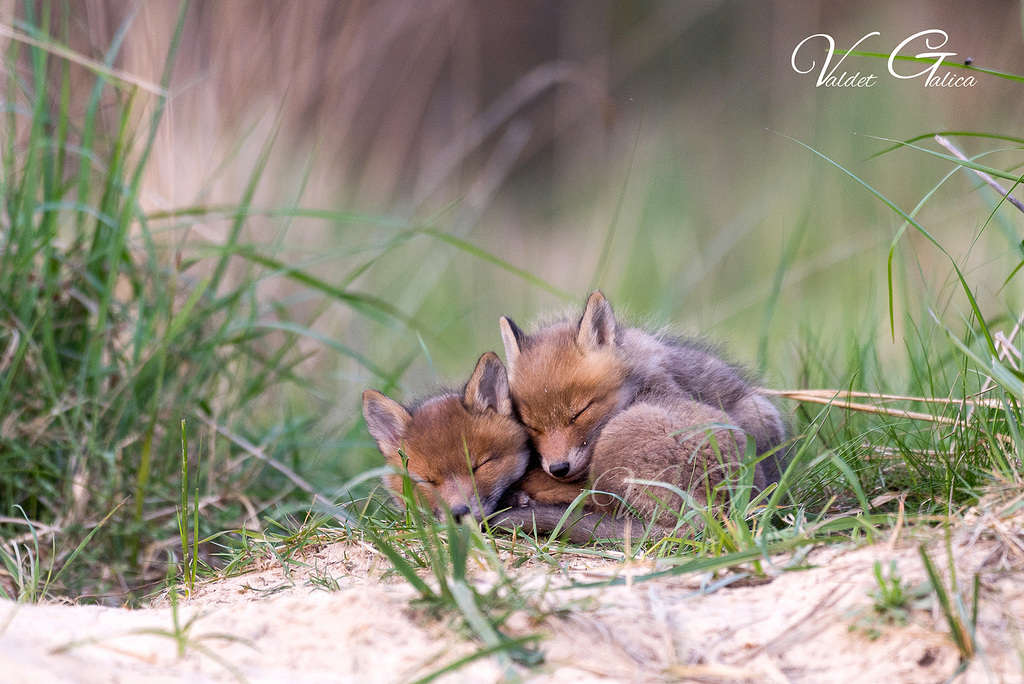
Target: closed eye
<point x="581" y="411"/>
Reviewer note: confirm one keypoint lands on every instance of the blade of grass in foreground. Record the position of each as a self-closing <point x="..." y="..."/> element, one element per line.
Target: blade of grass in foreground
<point x="966" y="163"/>
<point x="506" y="646"/>
<point x="906" y="217"/>
<point x="922" y="60"/>
<point x="946" y="134"/>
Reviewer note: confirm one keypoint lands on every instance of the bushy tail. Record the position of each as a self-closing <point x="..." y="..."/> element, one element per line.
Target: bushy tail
<point x="576" y="526"/>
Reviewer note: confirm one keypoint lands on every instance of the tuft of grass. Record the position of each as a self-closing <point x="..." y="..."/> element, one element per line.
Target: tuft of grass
<point x="190" y="560"/>
<point x="444" y="549"/>
<point x="892" y="601"/>
<point x="961" y="617"/>
<point x="114" y="332"/>
<point x="891" y="597"/>
<point x="24" y="565"/>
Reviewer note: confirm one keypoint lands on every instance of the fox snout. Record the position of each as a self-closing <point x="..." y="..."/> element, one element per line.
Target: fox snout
<point x="460" y="506"/>
<point x="553" y="446"/>
<point x="564" y="461"/>
<point x="560" y="469"/>
<point x="461" y="499"/>
<point x="462" y="511"/>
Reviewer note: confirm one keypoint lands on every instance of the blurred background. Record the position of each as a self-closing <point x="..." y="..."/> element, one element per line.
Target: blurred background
<point x="493" y="158"/>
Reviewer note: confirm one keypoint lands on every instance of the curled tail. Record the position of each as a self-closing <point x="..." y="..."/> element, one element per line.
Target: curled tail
<point x="576" y="526"/>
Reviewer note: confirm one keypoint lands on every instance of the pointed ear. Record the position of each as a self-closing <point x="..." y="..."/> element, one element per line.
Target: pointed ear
<point x="513" y="338"/>
<point x="488" y="387"/>
<point x="387" y="420"/>
<point x="597" y="327"/>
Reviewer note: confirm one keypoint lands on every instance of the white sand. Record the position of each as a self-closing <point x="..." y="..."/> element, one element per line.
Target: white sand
<point x="268" y="627"/>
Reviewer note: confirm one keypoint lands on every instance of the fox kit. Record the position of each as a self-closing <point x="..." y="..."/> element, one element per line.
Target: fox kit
<point x="466" y="451"/>
<point x="682" y="443"/>
<point x="570" y="379"/>
<point x="462" y="449"/>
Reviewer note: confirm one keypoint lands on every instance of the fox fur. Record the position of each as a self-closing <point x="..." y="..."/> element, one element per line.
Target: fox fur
<point x="462" y="449"/>
<point x="569" y="379"/>
<point x="495" y="480"/>
<point x="633" y="406"/>
<point x="684" y="444"/>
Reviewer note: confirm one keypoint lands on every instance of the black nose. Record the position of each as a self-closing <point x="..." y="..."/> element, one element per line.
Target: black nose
<point x="458" y="512"/>
<point x="559" y="469"/>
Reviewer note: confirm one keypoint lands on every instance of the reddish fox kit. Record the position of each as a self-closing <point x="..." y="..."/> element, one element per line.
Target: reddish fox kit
<point x="463" y="449"/>
<point x="571" y="379"/>
<point x="681" y="443"/>
<point x="597" y="402"/>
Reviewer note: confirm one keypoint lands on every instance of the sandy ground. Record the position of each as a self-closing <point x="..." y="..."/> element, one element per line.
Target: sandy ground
<point x="269" y="626"/>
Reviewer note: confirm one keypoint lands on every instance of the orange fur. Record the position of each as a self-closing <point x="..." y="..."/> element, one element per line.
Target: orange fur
<point x="462" y="451"/>
<point x="537" y="487"/>
<point x="612" y="405"/>
<point x="564" y="393"/>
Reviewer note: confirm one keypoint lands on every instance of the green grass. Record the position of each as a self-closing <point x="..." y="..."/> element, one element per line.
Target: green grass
<point x="157" y="405"/>
<point x="961" y="616"/>
<point x="444" y="551"/>
<point x="113" y="335"/>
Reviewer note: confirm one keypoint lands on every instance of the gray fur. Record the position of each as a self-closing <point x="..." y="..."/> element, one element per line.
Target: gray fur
<point x="578" y="527"/>
<point x="386" y="419"/>
<point x="488" y="386"/>
<point x="668" y="367"/>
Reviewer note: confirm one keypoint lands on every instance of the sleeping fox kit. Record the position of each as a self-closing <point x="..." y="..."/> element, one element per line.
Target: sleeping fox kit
<point x="682" y="443"/>
<point x="570" y="378"/>
<point x="602" y="406"/>
<point x="463" y="449"/>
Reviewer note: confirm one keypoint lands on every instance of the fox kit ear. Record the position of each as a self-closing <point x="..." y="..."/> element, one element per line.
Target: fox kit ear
<point x="512" y="336"/>
<point x="488" y="386"/>
<point x="597" y="327"/>
<point x="387" y="420"/>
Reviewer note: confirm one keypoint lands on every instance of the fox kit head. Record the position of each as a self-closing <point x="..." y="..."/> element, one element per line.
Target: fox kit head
<point x="567" y="382"/>
<point x="462" y="450"/>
